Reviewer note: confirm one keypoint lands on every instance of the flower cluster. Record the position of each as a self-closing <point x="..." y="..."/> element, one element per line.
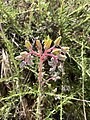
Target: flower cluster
<point x="56" y="52"/>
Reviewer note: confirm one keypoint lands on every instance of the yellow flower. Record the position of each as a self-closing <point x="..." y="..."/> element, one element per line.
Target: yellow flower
<point x="28" y="45"/>
<point x="57" y="41"/>
<point x="47" y="43"/>
<point x="38" y="44"/>
<point x="56" y="51"/>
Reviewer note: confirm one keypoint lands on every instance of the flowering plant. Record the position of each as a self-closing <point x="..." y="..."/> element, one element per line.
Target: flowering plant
<point x="57" y="55"/>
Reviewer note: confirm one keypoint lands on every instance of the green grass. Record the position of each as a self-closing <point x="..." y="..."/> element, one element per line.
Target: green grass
<point x="30" y="20"/>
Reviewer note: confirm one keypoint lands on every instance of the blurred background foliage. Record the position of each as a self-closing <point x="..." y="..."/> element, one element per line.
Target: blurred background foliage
<point x="22" y="20"/>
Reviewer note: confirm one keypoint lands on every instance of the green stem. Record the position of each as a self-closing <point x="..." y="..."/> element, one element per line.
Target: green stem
<point x="61" y="107"/>
<point x="39" y="90"/>
<point x="83" y="77"/>
<point x="61" y="103"/>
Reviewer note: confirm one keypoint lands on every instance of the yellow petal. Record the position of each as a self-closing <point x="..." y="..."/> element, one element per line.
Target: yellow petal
<point x="38" y="44"/>
<point x="56" y="51"/>
<point x="47" y="43"/>
<point x="57" y="41"/>
<point x="28" y="45"/>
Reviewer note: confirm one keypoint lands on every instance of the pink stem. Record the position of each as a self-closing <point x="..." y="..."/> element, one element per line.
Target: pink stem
<point x="49" y="50"/>
<point x="34" y="53"/>
<point x="51" y="55"/>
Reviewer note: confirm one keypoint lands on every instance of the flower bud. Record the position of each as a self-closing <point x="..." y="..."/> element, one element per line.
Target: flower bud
<point x="65" y="49"/>
<point x="57" y="41"/>
<point x="19" y="57"/>
<point x="47" y="43"/>
<point x="38" y="44"/>
<point x="23" y="54"/>
<point x="28" y="45"/>
<point x="62" y="57"/>
<point x="56" y="51"/>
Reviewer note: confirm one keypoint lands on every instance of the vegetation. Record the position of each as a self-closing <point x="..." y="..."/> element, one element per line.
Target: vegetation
<point x="63" y="91"/>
